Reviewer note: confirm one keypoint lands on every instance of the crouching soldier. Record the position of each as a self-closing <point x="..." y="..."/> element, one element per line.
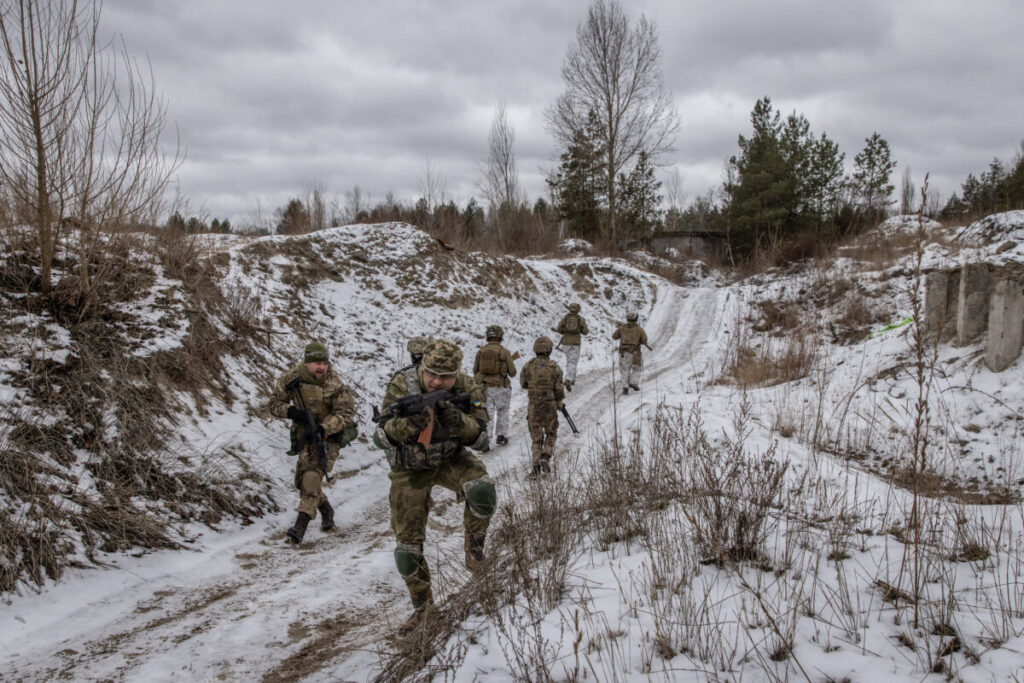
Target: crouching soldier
<point x="491" y="370"/>
<point x="542" y="379"/>
<point x="328" y="399"/>
<point x="631" y="337"/>
<point x="430" y="448"/>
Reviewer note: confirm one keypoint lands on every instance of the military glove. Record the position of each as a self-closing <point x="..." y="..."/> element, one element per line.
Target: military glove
<point x="558" y="405"/>
<point x="296" y="414"/>
<point x="448" y="415"/>
<point x="419" y="420"/>
<point x="348" y="435"/>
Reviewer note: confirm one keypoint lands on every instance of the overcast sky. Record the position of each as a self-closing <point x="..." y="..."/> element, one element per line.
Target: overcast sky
<point x="272" y="98"/>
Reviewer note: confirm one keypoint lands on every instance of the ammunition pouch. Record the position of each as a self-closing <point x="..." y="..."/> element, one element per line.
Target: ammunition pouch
<point x="413" y="456"/>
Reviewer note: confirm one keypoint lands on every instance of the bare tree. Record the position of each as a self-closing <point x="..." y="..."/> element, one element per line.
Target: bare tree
<point x="613" y="72"/>
<point x="355" y="204"/>
<point x="432" y="187"/>
<point x="316" y="205"/>
<point x="80" y="127"/>
<point x="501" y="179"/>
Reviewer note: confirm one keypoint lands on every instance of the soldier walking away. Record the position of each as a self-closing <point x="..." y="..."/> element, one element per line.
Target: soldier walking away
<point x="631" y="337"/>
<point x="542" y="379"/>
<point x="429" y="448"/>
<point x="491" y="370"/>
<point x="572" y="327"/>
<point x="330" y="403"/>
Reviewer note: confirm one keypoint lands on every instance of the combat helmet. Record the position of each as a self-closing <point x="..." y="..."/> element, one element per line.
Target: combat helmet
<point x="442" y="358"/>
<point x="632" y="316"/>
<point x="416" y="347"/>
<point x="495" y="332"/>
<point x="574" y="307"/>
<point x="542" y="346"/>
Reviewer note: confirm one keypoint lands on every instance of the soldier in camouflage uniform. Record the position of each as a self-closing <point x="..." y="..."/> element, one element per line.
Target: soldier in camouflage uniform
<point x="542" y="379"/>
<point x="415" y="347"/>
<point x="330" y="401"/>
<point x="428" y="449"/>
<point x="571" y="327"/>
<point x="491" y="370"/>
<point x="631" y="337"/>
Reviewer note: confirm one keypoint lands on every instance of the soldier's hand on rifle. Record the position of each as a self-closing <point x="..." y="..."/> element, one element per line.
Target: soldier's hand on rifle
<point x="419" y="420"/>
<point x="296" y="414"/>
<point x="448" y="415"/>
<point x="559" y="405"/>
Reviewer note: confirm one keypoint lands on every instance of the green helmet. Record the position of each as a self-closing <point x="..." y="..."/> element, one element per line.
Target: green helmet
<point x="632" y="316"/>
<point x="542" y="346"/>
<point x="574" y="308"/>
<point x="495" y="332"/>
<point x="315" y="352"/>
<point x="442" y="357"/>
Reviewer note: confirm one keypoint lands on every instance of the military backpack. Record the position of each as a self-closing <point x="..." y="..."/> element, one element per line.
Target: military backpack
<point x="630" y="335"/>
<point x="490" y="360"/>
<point x="542" y="378"/>
<point x="571" y="324"/>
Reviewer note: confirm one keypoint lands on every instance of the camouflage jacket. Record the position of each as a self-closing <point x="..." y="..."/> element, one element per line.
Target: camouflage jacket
<point x="631" y="338"/>
<point x="542" y="379"/>
<point x="330" y="400"/>
<point x="506" y="366"/>
<point x="572" y="338"/>
<point x="402" y="447"/>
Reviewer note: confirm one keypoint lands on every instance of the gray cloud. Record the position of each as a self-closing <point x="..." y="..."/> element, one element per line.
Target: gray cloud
<point x="270" y="98"/>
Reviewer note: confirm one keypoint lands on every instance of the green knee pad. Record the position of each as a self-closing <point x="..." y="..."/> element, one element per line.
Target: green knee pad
<point x="482" y="499"/>
<point x="408" y="561"/>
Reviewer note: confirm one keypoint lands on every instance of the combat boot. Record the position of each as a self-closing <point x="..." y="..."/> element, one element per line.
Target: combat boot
<point x="545" y="463"/>
<point x="634" y="387"/>
<point x="625" y="391"/>
<point x="501" y="440"/>
<point x="535" y="473"/>
<point x="298" y="530"/>
<point x="422" y="603"/>
<point x="475" y="551"/>
<point x="326" y="516"/>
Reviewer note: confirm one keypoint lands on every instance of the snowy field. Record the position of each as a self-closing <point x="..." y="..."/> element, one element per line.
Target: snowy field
<point x="826" y="600"/>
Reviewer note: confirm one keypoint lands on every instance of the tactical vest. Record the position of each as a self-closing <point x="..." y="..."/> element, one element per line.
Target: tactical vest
<point x="490" y="360"/>
<point x="413" y="456"/>
<point x="571" y="324"/>
<point x="630" y="336"/>
<point x="542" y="379"/>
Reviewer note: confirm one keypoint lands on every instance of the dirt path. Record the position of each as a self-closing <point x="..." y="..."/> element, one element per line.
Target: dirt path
<point x="326" y="609"/>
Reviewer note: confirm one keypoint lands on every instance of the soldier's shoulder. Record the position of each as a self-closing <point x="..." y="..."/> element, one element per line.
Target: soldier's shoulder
<point x="333" y="381"/>
<point x="464" y="382"/>
<point x="289" y="375"/>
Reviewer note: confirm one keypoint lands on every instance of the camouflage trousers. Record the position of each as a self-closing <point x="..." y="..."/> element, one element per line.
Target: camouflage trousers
<point x="572" y="357"/>
<point x="309" y="479"/>
<point x="410" y="505"/>
<point x="630" y="369"/>
<point x="498" y="400"/>
<point x="542" y="418"/>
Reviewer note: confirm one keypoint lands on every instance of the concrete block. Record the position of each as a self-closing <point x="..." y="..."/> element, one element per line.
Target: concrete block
<point x="972" y="308"/>
<point x="1005" y="325"/>
<point x="936" y="293"/>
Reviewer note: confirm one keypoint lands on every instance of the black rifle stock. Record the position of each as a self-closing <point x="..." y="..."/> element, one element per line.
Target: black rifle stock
<point x="568" y="419"/>
<point x="310" y="431"/>
<point x="417" y="403"/>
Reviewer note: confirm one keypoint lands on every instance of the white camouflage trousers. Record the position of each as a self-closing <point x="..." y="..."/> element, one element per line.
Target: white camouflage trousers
<point x="572" y="356"/>
<point x="498" y="399"/>
<point x="629" y="370"/>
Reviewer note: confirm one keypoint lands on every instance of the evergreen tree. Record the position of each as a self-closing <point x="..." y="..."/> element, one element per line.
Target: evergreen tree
<point x="293" y="219"/>
<point x="578" y="184"/>
<point x="872" y="174"/>
<point x="641" y="203"/>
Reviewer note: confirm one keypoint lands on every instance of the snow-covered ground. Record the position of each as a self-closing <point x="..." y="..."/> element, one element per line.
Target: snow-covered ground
<point x="241" y="604"/>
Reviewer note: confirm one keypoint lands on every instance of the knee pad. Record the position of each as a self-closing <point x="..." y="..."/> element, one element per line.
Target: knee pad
<point x="408" y="558"/>
<point x="481" y="497"/>
<point x="310" y="481"/>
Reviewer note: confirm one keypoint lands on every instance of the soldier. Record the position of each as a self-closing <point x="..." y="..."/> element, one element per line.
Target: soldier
<point x="415" y="347"/>
<point x="491" y="370"/>
<point x="428" y="449"/>
<point x="330" y="401"/>
<point x="631" y="337"/>
<point x="571" y="327"/>
<point x="542" y="379"/>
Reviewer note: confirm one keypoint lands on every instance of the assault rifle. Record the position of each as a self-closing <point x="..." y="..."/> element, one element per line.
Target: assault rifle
<point x="417" y="403"/>
<point x="310" y="430"/>
<point x="568" y="420"/>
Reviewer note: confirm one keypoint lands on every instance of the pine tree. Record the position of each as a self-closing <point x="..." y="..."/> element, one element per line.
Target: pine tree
<point x="641" y="203"/>
<point x="872" y="175"/>
<point x="293" y="219"/>
<point x="578" y="183"/>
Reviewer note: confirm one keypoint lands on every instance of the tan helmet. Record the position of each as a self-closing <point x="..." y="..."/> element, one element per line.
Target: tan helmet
<point x="574" y="308"/>
<point x="417" y="345"/>
<point x="495" y="332"/>
<point x="542" y="346"/>
<point x="442" y="357"/>
<point x="632" y="316"/>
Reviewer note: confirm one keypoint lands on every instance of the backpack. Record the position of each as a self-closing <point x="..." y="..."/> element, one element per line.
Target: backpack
<point x="630" y="335"/>
<point x="490" y="360"/>
<point x="571" y="324"/>
<point x="542" y="381"/>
